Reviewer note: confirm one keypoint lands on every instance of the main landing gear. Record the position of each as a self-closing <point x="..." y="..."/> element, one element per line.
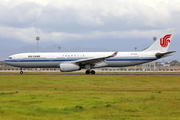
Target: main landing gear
<point x="90" y="71"/>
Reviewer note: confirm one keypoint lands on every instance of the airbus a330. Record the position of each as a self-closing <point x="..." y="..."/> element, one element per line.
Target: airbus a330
<point x="74" y="61"/>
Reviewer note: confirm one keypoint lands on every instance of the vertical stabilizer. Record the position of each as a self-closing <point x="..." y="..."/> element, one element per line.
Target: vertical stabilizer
<point x="163" y="42"/>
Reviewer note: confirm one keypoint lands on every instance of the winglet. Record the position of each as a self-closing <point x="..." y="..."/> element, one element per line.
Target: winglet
<point x="113" y="55"/>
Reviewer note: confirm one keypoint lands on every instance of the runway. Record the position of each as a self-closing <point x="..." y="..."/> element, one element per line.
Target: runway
<point x="104" y="73"/>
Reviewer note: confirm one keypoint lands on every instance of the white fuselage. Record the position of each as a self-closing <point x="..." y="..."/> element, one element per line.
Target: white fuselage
<point x="73" y="61"/>
<point x="52" y="60"/>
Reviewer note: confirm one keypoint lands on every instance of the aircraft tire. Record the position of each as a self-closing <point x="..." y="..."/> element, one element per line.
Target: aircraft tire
<point x="87" y="72"/>
<point x="21" y="72"/>
<point x="93" y="72"/>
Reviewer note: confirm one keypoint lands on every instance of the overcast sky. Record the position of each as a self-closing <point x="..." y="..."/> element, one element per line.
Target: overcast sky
<point x="111" y="24"/>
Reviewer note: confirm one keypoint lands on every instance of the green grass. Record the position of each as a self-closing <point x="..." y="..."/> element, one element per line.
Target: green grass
<point x="87" y="97"/>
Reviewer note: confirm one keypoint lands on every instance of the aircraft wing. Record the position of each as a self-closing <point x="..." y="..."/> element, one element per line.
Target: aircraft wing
<point x="94" y="60"/>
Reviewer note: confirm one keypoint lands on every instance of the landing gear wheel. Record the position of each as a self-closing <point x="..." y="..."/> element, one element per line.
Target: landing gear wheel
<point x="21" y="72"/>
<point x="87" y="71"/>
<point x="93" y="72"/>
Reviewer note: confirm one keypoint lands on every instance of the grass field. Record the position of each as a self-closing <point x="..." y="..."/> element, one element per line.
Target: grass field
<point x="87" y="97"/>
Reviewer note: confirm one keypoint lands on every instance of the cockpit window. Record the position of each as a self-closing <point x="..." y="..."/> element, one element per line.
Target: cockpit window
<point x="10" y="57"/>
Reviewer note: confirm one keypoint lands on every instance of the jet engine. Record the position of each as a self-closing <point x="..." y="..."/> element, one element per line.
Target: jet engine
<point x="69" y="67"/>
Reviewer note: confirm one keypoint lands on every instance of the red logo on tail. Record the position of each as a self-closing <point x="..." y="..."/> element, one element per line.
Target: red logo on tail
<point x="165" y="40"/>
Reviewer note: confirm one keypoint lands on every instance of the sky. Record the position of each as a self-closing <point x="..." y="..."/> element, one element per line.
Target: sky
<point x="86" y="25"/>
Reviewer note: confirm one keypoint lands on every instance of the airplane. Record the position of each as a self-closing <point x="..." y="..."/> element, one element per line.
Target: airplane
<point x="74" y="61"/>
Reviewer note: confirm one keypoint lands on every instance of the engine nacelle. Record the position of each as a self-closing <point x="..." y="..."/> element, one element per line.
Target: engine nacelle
<point x="69" y="67"/>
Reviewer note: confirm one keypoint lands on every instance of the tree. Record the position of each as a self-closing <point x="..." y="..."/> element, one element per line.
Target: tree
<point x="174" y="63"/>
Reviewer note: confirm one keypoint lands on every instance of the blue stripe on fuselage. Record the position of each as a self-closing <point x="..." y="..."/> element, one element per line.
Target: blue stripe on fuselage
<point x="66" y="60"/>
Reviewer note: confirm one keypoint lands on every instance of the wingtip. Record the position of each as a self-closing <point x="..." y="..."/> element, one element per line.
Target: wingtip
<point x="114" y="54"/>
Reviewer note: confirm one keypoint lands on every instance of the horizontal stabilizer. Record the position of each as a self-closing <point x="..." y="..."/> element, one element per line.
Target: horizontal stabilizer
<point x="160" y="55"/>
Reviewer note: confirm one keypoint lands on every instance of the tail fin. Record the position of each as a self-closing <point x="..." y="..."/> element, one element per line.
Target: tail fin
<point x="162" y="44"/>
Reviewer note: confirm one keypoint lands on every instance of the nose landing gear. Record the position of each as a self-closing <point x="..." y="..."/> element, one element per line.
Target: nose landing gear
<point x="21" y="72"/>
